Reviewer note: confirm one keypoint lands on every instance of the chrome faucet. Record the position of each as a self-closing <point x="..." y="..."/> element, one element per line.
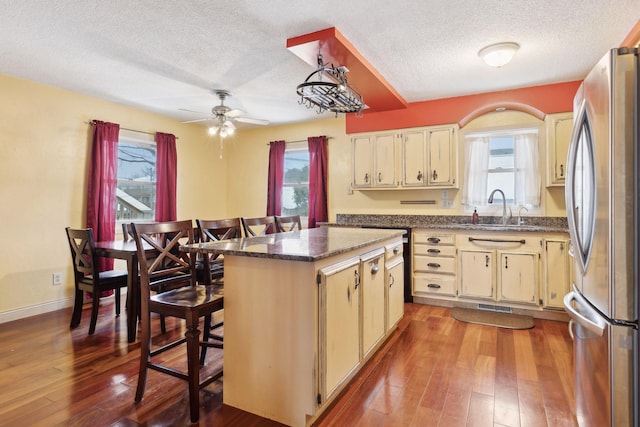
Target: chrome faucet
<point x="505" y="219"/>
<point x="520" y="220"/>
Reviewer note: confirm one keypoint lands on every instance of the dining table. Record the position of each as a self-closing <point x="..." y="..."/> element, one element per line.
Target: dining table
<point x="126" y="250"/>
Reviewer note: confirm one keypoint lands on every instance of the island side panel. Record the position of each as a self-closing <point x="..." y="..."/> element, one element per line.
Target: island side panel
<point x="270" y="345"/>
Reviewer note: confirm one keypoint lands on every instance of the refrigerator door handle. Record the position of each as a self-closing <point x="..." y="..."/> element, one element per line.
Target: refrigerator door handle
<point x="571" y="330"/>
<point x="594" y="323"/>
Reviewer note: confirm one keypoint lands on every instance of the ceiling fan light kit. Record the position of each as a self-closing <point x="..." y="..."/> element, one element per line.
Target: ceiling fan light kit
<point x="335" y="94"/>
<point x="499" y="54"/>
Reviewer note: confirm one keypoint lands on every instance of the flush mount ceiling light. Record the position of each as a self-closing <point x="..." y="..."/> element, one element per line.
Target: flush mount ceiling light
<point x="499" y="54"/>
<point x="333" y="94"/>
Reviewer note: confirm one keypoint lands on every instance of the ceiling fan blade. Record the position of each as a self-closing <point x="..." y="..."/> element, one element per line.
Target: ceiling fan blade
<point x="251" y="121"/>
<point x="234" y="113"/>
<point x="197" y="120"/>
<point x="192" y="111"/>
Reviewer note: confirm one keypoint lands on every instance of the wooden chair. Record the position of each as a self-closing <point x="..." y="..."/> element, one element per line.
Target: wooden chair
<point x="175" y="270"/>
<point x="88" y="278"/>
<point x="127" y="231"/>
<point x="289" y="223"/>
<point x="213" y="231"/>
<point x="259" y="226"/>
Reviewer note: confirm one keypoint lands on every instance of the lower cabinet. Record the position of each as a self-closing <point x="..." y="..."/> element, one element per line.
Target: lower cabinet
<point x="477" y="274"/>
<point x="557" y="272"/>
<point x="340" y="325"/>
<point x="361" y="300"/>
<point x="518" y="277"/>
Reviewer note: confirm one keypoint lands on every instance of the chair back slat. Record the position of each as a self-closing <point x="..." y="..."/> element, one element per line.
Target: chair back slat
<point x="259" y="226"/>
<point x="85" y="261"/>
<point x="168" y="265"/>
<point x="289" y="223"/>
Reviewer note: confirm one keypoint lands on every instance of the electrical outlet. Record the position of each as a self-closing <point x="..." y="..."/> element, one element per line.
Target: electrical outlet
<point x="57" y="279"/>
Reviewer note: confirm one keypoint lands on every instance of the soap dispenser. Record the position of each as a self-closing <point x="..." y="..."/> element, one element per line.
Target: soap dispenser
<point x="474" y="217"/>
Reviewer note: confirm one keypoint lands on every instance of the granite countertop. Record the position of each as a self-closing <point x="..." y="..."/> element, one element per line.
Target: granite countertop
<point x="305" y="245"/>
<point x="452" y="222"/>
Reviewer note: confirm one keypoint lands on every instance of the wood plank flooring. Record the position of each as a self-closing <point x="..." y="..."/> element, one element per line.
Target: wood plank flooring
<point x="434" y="371"/>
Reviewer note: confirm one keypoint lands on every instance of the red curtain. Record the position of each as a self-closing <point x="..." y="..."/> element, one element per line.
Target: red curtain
<point x="318" y="211"/>
<point x="166" y="177"/>
<point x="276" y="173"/>
<point x="103" y="176"/>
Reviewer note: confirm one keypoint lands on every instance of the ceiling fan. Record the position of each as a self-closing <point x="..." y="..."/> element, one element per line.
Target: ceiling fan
<point x="223" y="117"/>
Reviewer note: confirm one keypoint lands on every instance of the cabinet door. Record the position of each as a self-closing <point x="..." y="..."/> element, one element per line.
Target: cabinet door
<point x="518" y="278"/>
<point x="441" y="158"/>
<point x="414" y="159"/>
<point x="385" y="161"/>
<point x="477" y="274"/>
<point x="339" y="325"/>
<point x="559" y="128"/>
<point x="395" y="292"/>
<point x="361" y="149"/>
<point x="556" y="273"/>
<point x="373" y="300"/>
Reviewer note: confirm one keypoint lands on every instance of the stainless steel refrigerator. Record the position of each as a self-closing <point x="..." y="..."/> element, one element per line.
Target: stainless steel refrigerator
<point x="601" y="193"/>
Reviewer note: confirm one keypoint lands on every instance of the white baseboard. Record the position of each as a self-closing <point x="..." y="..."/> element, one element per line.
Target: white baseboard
<point x="21" y="313"/>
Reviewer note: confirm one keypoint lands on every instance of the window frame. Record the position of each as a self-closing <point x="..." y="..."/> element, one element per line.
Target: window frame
<point x="293" y="147"/>
<point x="136" y="139"/>
<point x="495" y="209"/>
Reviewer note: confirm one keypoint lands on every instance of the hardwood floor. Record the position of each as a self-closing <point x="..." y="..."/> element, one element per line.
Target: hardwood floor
<point x="434" y="371"/>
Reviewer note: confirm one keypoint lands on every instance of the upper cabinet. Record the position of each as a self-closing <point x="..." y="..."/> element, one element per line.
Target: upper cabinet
<point x="428" y="159"/>
<point x="559" y="127"/>
<point x="374" y="160"/>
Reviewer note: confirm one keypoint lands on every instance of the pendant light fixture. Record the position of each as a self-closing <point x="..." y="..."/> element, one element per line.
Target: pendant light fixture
<point x="499" y="54"/>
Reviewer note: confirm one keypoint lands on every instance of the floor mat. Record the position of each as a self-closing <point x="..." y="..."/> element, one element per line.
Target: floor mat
<point x="490" y="318"/>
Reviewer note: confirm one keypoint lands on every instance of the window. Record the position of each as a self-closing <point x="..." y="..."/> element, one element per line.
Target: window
<point x="295" y="186"/>
<point x="136" y="187"/>
<point x="507" y="160"/>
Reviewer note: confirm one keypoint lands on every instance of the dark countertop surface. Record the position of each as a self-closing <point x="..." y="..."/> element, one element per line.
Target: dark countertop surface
<point x="452" y="222"/>
<point x="306" y="245"/>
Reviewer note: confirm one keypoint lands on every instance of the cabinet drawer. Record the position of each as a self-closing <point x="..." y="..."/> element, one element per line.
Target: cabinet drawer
<point x="393" y="251"/>
<point x="434" y="251"/>
<point x="434" y="284"/>
<point x="434" y="264"/>
<point x="433" y="238"/>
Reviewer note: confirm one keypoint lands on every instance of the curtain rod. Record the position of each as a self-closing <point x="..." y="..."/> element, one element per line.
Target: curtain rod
<point x="130" y="130"/>
<point x="298" y="140"/>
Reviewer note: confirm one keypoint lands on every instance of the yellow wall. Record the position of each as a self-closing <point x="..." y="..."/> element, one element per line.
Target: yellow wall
<point x="44" y="150"/>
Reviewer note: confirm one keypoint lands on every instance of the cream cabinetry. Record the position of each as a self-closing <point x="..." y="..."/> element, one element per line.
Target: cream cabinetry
<point x="559" y="127"/>
<point x="503" y="268"/>
<point x="434" y="263"/>
<point x="557" y="272"/>
<point x="340" y="328"/>
<point x="373" y="299"/>
<point x="394" y="269"/>
<point x="361" y="301"/>
<point x="374" y="160"/>
<point x="429" y="157"/>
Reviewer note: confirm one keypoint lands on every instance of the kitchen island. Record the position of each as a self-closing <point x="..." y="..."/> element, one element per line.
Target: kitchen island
<point x="304" y="311"/>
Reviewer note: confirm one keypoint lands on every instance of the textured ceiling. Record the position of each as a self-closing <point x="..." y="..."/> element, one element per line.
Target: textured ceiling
<point x="165" y="56"/>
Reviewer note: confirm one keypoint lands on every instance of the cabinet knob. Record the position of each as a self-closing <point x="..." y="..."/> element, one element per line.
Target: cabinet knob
<point x="419" y="177"/>
<point x="374" y="268"/>
<point x="379" y="176"/>
<point x="357" y="280"/>
<point x="486" y="260"/>
<point x="366" y="178"/>
<point x="561" y="170"/>
<point x="396" y="250"/>
<point x="506" y="262"/>
<point x="435" y="175"/>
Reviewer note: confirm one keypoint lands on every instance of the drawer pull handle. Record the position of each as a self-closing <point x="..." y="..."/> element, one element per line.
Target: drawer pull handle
<point x="433" y="240"/>
<point x="433" y="286"/>
<point x="433" y="251"/>
<point x="433" y="265"/>
<point x="392" y="280"/>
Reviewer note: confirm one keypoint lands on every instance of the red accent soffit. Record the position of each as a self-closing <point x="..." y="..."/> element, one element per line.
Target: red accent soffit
<point x="376" y="92"/>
